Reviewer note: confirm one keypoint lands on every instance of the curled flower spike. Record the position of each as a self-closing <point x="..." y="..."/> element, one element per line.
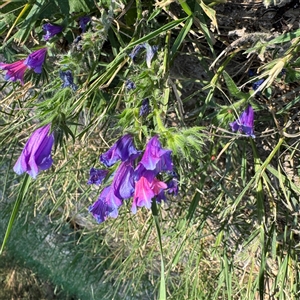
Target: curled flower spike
<point x="245" y="123"/>
<point x="145" y="108"/>
<point x="97" y="176"/>
<point x="67" y="78"/>
<point x="35" y="60"/>
<point x="15" y="71"/>
<point x="130" y="85"/>
<point x="36" y="155"/>
<point x="122" y="150"/>
<point x="51" y="30"/>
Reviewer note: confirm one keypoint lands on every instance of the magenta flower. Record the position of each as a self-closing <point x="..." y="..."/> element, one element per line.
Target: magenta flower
<point x="122" y="150"/>
<point x="106" y="206"/>
<point x="36" y="59"/>
<point x="97" y="176"/>
<point x="145" y="191"/>
<point x="36" y="155"/>
<point x="15" y="71"/>
<point x="155" y="159"/>
<point x="51" y="30"/>
<point x="245" y="122"/>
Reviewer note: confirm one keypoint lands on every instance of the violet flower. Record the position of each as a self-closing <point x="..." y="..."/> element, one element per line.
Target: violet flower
<point x="123" y="183"/>
<point x="245" y="123"/>
<point x="106" y="206"/>
<point x="36" y="155"/>
<point x="150" y="52"/>
<point x="135" y="51"/>
<point x="122" y="150"/>
<point x="173" y="186"/>
<point x="97" y="176"/>
<point x="129" y="85"/>
<point x="83" y="21"/>
<point x="67" y="78"/>
<point x="145" y="108"/>
<point x="15" y="71"/>
<point x="257" y="84"/>
<point x="51" y="30"/>
<point x="155" y="159"/>
<point x="35" y="60"/>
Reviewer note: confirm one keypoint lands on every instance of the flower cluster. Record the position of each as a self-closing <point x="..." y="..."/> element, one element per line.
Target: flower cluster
<point x="35" y="60"/>
<point x="16" y="70"/>
<point x="130" y="180"/>
<point x="68" y="81"/>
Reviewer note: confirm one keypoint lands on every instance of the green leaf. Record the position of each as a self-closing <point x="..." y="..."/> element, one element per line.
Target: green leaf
<point x="181" y="36"/>
<point x="233" y="89"/>
<point x="67" y="7"/>
<point x="21" y="196"/>
<point x="286" y="37"/>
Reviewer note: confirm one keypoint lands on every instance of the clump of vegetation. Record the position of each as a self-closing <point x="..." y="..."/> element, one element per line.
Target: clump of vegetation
<point x="162" y="137"/>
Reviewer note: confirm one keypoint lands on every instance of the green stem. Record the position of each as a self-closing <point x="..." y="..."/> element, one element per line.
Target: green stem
<point x="21" y="196"/>
<point x="162" y="288"/>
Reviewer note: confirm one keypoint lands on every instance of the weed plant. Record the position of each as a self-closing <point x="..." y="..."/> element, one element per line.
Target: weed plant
<point x="232" y="230"/>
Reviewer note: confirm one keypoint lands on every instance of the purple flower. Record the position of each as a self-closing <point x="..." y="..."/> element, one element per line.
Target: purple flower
<point x="97" y="176"/>
<point x="83" y="21"/>
<point x="51" y="30"/>
<point x="36" y="155"/>
<point x="36" y="59"/>
<point x="77" y="39"/>
<point x="257" y="84"/>
<point x="123" y="183"/>
<point x="129" y="85"/>
<point x="122" y="150"/>
<point x="145" y="190"/>
<point x="245" y="122"/>
<point x="145" y="108"/>
<point x="135" y="51"/>
<point x="15" y="71"/>
<point x="251" y="72"/>
<point x="150" y="52"/>
<point x="155" y="159"/>
<point x="67" y="78"/>
<point x="106" y="206"/>
<point x="173" y="186"/>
